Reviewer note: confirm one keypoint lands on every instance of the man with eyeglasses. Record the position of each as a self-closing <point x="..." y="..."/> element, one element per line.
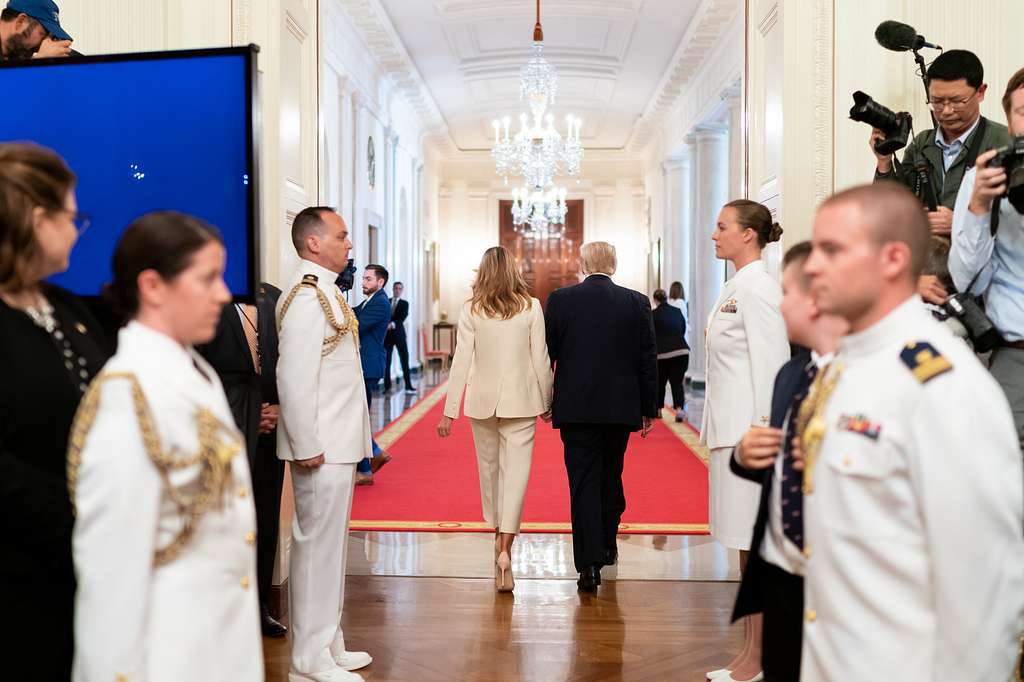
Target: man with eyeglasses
<point x="956" y="89"/>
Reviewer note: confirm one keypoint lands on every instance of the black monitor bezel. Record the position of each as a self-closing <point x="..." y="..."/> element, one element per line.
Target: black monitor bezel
<point x="252" y="132"/>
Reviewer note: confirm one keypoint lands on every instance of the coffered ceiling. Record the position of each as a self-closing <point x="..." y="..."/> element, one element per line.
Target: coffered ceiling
<point x="617" y="60"/>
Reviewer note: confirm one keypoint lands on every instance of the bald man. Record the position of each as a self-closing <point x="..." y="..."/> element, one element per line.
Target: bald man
<point x="912" y="473"/>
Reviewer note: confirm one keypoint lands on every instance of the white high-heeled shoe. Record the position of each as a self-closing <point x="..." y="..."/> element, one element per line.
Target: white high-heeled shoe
<point x="729" y="678"/>
<point x="715" y="674"/>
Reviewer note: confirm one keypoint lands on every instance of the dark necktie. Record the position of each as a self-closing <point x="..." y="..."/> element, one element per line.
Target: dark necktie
<point x="792" y="480"/>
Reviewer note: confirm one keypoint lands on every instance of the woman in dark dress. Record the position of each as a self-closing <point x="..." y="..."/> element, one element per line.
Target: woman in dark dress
<point x="50" y="347"/>
<point x="673" y="351"/>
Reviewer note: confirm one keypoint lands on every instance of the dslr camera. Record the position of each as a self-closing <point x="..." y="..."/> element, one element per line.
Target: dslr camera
<point x="347" y="277"/>
<point x="983" y="334"/>
<point x="1011" y="159"/>
<point x="896" y="126"/>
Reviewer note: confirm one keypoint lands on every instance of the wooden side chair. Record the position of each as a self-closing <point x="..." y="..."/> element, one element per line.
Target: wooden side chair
<point x="431" y="355"/>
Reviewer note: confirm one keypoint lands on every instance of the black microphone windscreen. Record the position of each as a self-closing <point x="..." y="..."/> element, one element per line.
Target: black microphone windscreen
<point x="892" y="35"/>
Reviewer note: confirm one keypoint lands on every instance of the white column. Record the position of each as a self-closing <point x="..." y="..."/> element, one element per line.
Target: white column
<point x="678" y="205"/>
<point x="733" y="98"/>
<point x="710" y="191"/>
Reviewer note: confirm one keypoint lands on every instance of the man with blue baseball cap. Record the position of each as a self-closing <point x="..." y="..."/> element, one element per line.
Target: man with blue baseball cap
<point x="31" y="29"/>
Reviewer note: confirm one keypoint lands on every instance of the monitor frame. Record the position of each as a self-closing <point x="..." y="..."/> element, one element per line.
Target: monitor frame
<point x="253" y="130"/>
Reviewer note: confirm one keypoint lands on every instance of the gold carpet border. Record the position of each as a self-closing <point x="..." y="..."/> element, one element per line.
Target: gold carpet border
<point x="525" y="527"/>
<point x="686" y="434"/>
<point x="401" y="426"/>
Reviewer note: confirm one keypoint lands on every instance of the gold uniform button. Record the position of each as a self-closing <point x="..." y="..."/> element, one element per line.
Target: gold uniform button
<point x="812" y="615"/>
<point x="250" y="537"/>
<point x="121" y="677"/>
<point x="807" y="551"/>
<point x="242" y="493"/>
<point x="847" y="461"/>
<point x="245" y="583"/>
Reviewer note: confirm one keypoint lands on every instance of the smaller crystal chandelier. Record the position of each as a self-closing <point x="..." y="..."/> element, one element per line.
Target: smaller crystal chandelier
<point x="535" y="211"/>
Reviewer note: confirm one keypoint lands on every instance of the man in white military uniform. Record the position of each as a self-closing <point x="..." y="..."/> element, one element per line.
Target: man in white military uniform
<point x="324" y="431"/>
<point x="912" y="494"/>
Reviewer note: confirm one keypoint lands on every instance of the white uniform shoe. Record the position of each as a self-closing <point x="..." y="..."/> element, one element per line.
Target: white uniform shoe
<point x="332" y="675"/>
<point x="729" y="678"/>
<point x="353" y="660"/>
<point x="715" y="674"/>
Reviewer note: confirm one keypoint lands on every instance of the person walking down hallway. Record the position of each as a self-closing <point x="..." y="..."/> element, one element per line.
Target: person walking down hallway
<point x="501" y="360"/>
<point x="374" y="315"/>
<point x="601" y="343"/>
<point x="396" y="338"/>
<point x="746" y="346"/>
<point x="673" y="351"/>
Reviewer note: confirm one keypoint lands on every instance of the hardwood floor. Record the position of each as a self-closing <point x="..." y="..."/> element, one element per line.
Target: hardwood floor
<point x="423" y="604"/>
<point x="433" y="629"/>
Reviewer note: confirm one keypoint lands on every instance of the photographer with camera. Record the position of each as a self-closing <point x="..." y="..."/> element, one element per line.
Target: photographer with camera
<point x="30" y="29"/>
<point x="987" y="253"/>
<point x="956" y="89"/>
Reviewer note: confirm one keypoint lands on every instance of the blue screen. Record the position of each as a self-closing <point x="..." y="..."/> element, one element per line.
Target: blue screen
<point x="142" y="135"/>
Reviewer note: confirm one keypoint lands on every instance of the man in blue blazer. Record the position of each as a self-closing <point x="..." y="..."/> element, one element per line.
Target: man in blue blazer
<point x="773" y="580"/>
<point x="374" y="314"/>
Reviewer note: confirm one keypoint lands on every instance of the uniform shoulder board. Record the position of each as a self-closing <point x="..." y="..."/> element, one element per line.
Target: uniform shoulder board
<point x="309" y="280"/>
<point x="924" y="361"/>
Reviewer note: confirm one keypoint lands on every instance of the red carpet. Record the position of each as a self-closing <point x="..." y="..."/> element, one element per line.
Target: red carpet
<point x="432" y="485"/>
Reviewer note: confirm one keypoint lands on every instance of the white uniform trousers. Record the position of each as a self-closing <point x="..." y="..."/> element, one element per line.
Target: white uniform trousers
<point x="732" y="503"/>
<point x="504" y="452"/>
<point x="316" y="584"/>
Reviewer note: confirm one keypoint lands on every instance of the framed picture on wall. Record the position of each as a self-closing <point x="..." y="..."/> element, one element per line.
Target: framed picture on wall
<point x="373" y="234"/>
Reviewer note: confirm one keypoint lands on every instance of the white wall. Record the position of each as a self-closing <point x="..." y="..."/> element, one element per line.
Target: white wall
<point x="613" y="211"/>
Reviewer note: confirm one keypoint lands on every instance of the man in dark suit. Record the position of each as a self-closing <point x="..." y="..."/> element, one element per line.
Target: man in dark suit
<point x="772" y="582"/>
<point x="396" y="338"/>
<point x="601" y="342"/>
<point x="244" y="353"/>
<point x="374" y="315"/>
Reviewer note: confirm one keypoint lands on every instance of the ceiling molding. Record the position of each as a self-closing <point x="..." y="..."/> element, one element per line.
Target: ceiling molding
<point x="711" y="21"/>
<point x="377" y="31"/>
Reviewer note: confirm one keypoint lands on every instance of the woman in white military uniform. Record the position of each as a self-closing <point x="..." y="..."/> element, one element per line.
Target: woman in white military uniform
<point x="746" y="345"/>
<point x="164" y="536"/>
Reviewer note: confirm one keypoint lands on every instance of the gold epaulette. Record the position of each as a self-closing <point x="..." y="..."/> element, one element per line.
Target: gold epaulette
<point x="350" y="325"/>
<point x="218" y="445"/>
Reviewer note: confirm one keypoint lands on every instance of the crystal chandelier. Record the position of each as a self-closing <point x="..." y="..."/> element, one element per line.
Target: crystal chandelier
<point x="538" y="152"/>
<point x="535" y="211"/>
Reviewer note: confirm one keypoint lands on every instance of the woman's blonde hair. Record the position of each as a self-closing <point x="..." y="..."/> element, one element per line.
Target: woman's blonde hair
<point x="31" y="177"/>
<point x="499" y="289"/>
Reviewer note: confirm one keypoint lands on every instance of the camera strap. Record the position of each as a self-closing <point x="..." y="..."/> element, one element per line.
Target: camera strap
<point x="975" y="148"/>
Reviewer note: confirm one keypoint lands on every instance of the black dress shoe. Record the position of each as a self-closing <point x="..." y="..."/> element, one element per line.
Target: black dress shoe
<point x="611" y="556"/>
<point x="271" y="628"/>
<point x="590" y="578"/>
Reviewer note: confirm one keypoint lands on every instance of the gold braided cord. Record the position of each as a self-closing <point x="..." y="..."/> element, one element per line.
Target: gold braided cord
<point x="810" y="421"/>
<point x="349" y="326"/>
<point x="218" y="445"/>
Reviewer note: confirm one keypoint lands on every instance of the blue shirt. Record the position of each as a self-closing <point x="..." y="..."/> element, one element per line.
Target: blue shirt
<point x="952" y="150"/>
<point x="1000" y="260"/>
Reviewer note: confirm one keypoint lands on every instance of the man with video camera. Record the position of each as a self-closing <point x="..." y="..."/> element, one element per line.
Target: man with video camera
<point x="987" y="256"/>
<point x="956" y="89"/>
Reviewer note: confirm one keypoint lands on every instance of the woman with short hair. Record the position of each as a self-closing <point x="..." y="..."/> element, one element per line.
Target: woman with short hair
<point x="501" y="361"/>
<point x="165" y="530"/>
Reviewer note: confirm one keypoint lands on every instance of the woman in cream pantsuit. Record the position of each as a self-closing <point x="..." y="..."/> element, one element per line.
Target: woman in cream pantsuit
<point x="164" y="538"/>
<point x="746" y="345"/>
<point x="501" y="359"/>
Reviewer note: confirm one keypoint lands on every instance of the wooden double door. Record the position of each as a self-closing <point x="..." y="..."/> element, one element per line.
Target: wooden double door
<point x="546" y="264"/>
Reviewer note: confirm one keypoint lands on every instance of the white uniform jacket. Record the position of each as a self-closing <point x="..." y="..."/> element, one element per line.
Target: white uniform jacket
<point x="913" y="528"/>
<point x="503" y="365"/>
<point x="746" y="344"/>
<point x="323" y="397"/>
<point x="153" y="604"/>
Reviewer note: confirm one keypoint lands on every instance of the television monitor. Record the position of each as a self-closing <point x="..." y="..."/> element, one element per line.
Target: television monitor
<point x="146" y="132"/>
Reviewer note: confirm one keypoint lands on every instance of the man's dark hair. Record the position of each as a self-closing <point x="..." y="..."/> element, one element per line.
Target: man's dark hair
<point x="308" y="220"/>
<point x="379" y="269"/>
<point x="398" y="284"/>
<point x="659" y="295"/>
<point x="953" y="65"/>
<point x="9" y="14"/>
<point x="1015" y="83"/>
<point x="797" y="255"/>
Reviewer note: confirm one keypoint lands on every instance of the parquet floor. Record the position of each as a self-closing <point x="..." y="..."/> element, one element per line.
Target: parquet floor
<point x="433" y="629"/>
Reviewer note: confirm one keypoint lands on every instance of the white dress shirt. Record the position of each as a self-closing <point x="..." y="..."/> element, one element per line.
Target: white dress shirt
<point x="999" y="259"/>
